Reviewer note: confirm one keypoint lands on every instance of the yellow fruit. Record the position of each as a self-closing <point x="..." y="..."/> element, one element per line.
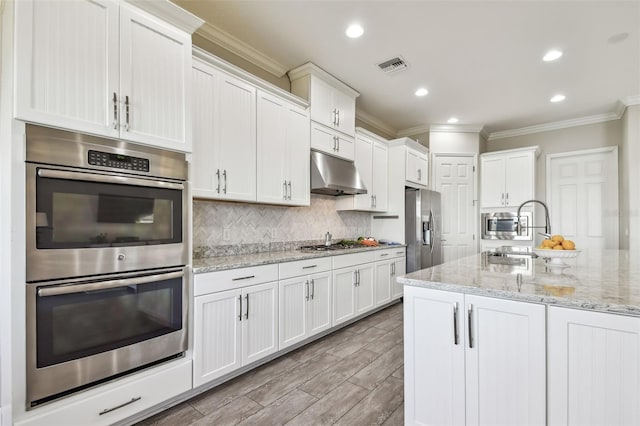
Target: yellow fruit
<point x="568" y="245"/>
<point x="549" y="243"/>
<point x="558" y="247"/>
<point x="558" y="238"/>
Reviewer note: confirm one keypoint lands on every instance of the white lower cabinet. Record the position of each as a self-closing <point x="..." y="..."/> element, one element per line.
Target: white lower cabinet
<point x="399" y="267"/>
<point x="234" y="328"/>
<point x="353" y="292"/>
<point x="472" y="360"/>
<point x="594" y="368"/>
<point x="390" y="264"/>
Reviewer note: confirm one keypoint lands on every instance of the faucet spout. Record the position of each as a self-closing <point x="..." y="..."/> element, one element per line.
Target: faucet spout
<point x="547" y="224"/>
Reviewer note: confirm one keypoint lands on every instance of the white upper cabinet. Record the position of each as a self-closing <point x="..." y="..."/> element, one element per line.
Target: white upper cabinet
<point x="332" y="142"/>
<point x="417" y="168"/>
<point x="371" y="160"/>
<point x="283" y="152"/>
<point x="507" y="177"/>
<point x="412" y="159"/>
<point x="104" y="68"/>
<point x="224" y="129"/>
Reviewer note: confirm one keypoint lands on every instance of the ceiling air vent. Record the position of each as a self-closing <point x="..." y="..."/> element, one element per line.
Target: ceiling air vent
<point x="393" y="65"/>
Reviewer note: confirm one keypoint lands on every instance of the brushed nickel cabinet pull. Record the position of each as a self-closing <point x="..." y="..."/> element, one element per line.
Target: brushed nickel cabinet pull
<point x="243" y="278"/>
<point x="108" y="410"/>
<point x="455" y="323"/>
<point x="224" y="174"/>
<point x="309" y="267"/>
<point x="289" y="196"/>
<point x="313" y="289"/>
<point x="126" y="113"/>
<point x="247" y="300"/>
<point x="338" y="117"/>
<point x="306" y="290"/>
<point x="115" y="111"/>
<point x="284" y="190"/>
<point x="469" y="316"/>
<point x="218" y="175"/>
<point x="240" y="299"/>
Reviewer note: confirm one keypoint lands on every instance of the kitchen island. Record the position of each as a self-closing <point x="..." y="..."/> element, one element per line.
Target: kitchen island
<point x="490" y="343"/>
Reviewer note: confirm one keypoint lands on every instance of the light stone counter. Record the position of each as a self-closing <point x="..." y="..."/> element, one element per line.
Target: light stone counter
<point x="606" y="281"/>
<point x="213" y="264"/>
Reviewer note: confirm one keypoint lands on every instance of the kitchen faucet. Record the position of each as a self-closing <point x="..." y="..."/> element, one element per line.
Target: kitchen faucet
<point x="547" y="225"/>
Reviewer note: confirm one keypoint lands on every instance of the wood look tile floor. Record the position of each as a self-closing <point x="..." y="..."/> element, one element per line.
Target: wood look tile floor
<point x="353" y="376"/>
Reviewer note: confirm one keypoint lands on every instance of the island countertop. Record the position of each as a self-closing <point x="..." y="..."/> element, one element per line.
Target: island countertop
<point x="599" y="280"/>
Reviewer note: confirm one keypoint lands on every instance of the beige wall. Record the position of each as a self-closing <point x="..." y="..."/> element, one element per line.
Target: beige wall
<point x="608" y="133"/>
<point x="454" y="143"/>
<point x="629" y="179"/>
<point x="422" y="138"/>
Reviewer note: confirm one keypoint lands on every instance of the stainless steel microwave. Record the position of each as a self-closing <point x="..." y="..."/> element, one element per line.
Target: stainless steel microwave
<point x="504" y="226"/>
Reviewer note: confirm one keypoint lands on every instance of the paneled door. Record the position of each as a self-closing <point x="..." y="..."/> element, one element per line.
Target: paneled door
<point x="260" y="322"/>
<point x="582" y="191"/>
<point x="454" y="178"/>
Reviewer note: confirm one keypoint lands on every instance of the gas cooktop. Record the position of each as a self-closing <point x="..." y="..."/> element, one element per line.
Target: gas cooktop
<point x="322" y="247"/>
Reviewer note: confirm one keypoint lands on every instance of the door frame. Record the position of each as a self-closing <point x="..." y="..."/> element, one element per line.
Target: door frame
<point x="603" y="150"/>
<point x="476" y="205"/>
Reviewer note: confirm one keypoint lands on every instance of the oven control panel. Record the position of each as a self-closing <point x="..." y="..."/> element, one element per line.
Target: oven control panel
<point x="118" y="161"/>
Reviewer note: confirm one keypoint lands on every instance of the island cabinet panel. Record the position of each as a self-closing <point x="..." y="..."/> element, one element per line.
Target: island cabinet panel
<point x="594" y="368"/>
<point x="472" y="360"/>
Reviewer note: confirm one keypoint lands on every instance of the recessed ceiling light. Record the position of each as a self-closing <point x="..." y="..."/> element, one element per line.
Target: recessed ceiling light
<point x="422" y="92"/>
<point x="452" y="120"/>
<point x="354" y="31"/>
<point x="552" y="55"/>
<point x="557" y="98"/>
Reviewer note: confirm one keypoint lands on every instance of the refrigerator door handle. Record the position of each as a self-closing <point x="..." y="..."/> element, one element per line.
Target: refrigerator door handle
<point x="431" y="229"/>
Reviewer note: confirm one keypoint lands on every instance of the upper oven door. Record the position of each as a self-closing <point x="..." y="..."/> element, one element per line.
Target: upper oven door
<point x="83" y="222"/>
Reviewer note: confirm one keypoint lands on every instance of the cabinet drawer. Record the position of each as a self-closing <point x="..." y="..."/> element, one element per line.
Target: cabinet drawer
<point x="234" y="278"/>
<point x="304" y="267"/>
<point x="390" y="253"/>
<point x="151" y="389"/>
<point x="347" y="260"/>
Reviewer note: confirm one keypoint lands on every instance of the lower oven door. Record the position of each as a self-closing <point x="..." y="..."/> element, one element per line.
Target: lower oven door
<point x="80" y="333"/>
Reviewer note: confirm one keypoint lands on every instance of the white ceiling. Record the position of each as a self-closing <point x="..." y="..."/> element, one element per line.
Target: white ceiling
<point x="480" y="60"/>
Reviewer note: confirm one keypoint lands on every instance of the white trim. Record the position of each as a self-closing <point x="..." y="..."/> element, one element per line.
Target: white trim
<point x="242" y="49"/>
<point x="171" y="13"/>
<point x="374" y="122"/>
<point x="369" y="134"/>
<point x="310" y="68"/>
<point x="631" y="100"/>
<point x="412" y="131"/>
<point x="538" y="128"/>
<point x="459" y="128"/>
<point x="534" y="148"/>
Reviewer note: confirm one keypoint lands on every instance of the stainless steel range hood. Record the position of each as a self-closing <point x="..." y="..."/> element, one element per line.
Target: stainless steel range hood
<point x="334" y="176"/>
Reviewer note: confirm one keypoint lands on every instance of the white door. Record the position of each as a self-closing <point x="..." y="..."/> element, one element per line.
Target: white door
<point x="67" y="64"/>
<point x="217" y="335"/>
<point x="364" y="162"/>
<point x="582" y="191"/>
<point x="519" y="178"/>
<point x="365" y="298"/>
<point x="346" y="112"/>
<point x="155" y="81"/>
<point x="398" y="268"/>
<point x="205" y="91"/>
<point x="594" y="368"/>
<point x="383" y="282"/>
<point x="380" y="179"/>
<point x="294" y="296"/>
<point x="319" y="312"/>
<point x="505" y="362"/>
<point x="271" y="149"/>
<point x="344" y="295"/>
<point x="455" y="180"/>
<point x="434" y="336"/>
<point x="298" y="145"/>
<point x="260" y="322"/>
<point x="492" y="192"/>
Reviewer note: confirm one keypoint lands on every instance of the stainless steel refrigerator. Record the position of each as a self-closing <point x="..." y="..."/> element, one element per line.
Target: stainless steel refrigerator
<point x="423" y="226"/>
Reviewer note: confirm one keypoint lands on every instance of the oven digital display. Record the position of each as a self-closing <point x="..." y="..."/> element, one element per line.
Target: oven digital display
<point x="118" y="161"/>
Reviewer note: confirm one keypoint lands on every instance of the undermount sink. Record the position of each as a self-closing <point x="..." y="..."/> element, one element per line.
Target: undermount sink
<point x="511" y="252"/>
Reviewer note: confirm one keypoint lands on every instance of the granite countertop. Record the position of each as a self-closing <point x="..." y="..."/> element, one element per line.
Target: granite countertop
<point x="600" y="280"/>
<point x="213" y="264"/>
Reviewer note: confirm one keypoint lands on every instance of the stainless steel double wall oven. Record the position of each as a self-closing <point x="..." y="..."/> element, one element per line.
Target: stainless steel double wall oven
<point x="106" y="255"/>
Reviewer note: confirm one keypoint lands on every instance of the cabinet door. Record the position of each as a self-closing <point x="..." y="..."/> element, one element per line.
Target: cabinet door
<point x="434" y="387"/>
<point x="505" y="362"/>
<point x="412" y="166"/>
<point x="423" y="169"/>
<point x="321" y="100"/>
<point x="319" y="312"/>
<point x="272" y="149"/>
<point x="594" y="368"/>
<point x="294" y="296"/>
<point x="217" y="335"/>
<point x="298" y="146"/>
<point x="364" y="161"/>
<point x="380" y="172"/>
<point x="492" y="181"/>
<point x="365" y="291"/>
<point x="345" y="147"/>
<point x="518" y="180"/>
<point x="155" y="81"/>
<point x="383" y="282"/>
<point x="346" y="112"/>
<point x="67" y="64"/>
<point x="205" y="91"/>
<point x="260" y="322"/>
<point x="344" y="295"/>
<point x="235" y="142"/>
<point x="398" y="268"/>
<point x="323" y="139"/>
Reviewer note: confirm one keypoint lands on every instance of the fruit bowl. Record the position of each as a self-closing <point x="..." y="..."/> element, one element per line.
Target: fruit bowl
<point x="555" y="256"/>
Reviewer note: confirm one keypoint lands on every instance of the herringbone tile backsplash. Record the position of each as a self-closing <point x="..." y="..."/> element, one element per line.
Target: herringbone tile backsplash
<point x="256" y="228"/>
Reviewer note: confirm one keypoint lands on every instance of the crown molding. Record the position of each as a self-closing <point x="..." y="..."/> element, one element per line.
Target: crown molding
<point x="631" y="100"/>
<point x="413" y="131"/>
<point x="242" y="49"/>
<point x="557" y="125"/>
<point x="310" y="68"/>
<point x="171" y="13"/>
<point x="459" y="128"/>
<point x="374" y="122"/>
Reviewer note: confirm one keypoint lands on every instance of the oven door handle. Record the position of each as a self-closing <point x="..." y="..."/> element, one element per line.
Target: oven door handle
<point x="83" y="288"/>
<point x="94" y="177"/>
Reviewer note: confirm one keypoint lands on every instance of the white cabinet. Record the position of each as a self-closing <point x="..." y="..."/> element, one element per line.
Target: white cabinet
<point x="417" y="167"/>
<point x="236" y="326"/>
<point x="105" y="68"/>
<point x="283" y="137"/>
<point x="473" y="360"/>
<point x="371" y="160"/>
<point x="353" y="292"/>
<point x="332" y="142"/>
<point x="390" y="263"/>
<point x="224" y="133"/>
<point x="594" y="368"/>
<point x="507" y="177"/>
